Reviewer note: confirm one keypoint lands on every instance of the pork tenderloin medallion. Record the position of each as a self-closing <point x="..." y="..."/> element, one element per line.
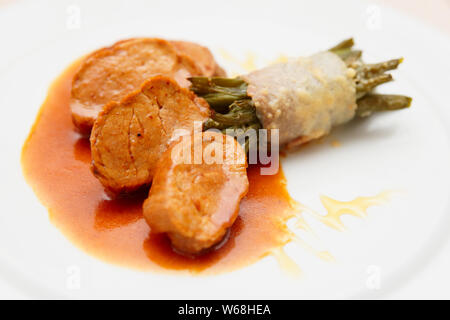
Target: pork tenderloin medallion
<point x="130" y="136"/>
<point x="196" y="203"/>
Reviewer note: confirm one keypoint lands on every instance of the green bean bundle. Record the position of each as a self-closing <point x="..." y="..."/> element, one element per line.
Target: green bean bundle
<point x="304" y="98"/>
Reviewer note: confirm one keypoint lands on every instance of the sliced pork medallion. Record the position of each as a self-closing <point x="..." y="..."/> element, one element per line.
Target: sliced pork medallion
<point x="195" y="203"/>
<point x="109" y="74"/>
<point x="129" y="136"/>
<point x="202" y="56"/>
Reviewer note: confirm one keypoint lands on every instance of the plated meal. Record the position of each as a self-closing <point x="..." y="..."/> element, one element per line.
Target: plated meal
<point x="148" y="156"/>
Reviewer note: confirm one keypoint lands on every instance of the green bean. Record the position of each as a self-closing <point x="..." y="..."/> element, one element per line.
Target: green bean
<point x="365" y="85"/>
<point x="240" y="113"/>
<point x="346" y="44"/>
<point x="352" y="58"/>
<point x="230" y="86"/>
<point x="213" y="124"/>
<point x="219" y="92"/>
<point x="378" y="68"/>
<point x="349" y="56"/>
<point x="381" y="102"/>
<point x="219" y="101"/>
<point x="234" y="109"/>
<point x="342" y="53"/>
<point x="368" y="76"/>
<point x="243" y="132"/>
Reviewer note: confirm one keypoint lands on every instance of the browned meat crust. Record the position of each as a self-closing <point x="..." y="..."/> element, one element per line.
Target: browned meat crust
<point x="195" y="204"/>
<point x="111" y="73"/>
<point x="129" y="136"/>
<point x="202" y="56"/>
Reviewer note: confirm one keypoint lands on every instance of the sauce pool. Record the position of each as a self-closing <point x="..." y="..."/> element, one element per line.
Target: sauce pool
<point x="56" y="163"/>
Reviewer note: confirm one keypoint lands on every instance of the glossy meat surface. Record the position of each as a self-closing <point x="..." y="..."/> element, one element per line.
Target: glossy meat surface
<point x="109" y="74"/>
<point x="195" y="204"/>
<point x="130" y="136"/>
<point x="202" y="56"/>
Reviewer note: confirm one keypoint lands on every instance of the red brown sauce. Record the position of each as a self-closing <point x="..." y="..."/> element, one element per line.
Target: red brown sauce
<point x="56" y="163"/>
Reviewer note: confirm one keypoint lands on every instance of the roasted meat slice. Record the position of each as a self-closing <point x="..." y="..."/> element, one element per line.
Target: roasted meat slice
<point x="195" y="200"/>
<point x="202" y="56"/>
<point x="129" y="136"/>
<point x="109" y="74"/>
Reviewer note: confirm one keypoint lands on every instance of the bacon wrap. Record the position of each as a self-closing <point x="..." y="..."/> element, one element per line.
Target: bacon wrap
<point x="303" y="97"/>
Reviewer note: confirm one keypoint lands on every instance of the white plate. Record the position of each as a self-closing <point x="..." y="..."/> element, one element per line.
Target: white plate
<point x="406" y="151"/>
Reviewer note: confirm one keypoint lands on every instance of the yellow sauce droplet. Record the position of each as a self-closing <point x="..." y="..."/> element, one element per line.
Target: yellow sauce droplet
<point x="247" y="64"/>
<point x="300" y="222"/>
<point x="334" y="210"/>
<point x="280" y="59"/>
<point x="356" y="207"/>
<point x="286" y="264"/>
<point x="323" y="255"/>
<point x="227" y="56"/>
<point x="326" y="256"/>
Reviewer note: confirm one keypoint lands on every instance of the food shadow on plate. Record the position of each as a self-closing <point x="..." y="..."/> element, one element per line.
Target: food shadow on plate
<point x="119" y="212"/>
<point x="159" y="249"/>
<point x="353" y="132"/>
<point x="112" y="212"/>
<point x="82" y="149"/>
